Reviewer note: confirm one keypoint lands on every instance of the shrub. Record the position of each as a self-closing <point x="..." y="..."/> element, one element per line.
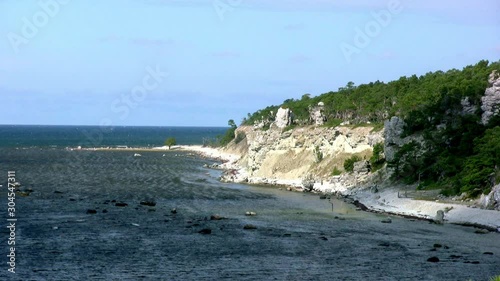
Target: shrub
<point x="336" y="172"/>
<point x="318" y="154"/>
<point x="349" y="163"/>
<point x="376" y="161"/>
<point x="239" y="137"/>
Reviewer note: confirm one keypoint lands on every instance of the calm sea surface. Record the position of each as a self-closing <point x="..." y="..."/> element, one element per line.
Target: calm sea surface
<point x="83" y="219"/>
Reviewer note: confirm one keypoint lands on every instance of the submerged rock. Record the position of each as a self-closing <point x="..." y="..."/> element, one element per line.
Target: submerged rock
<point x="216" y="218"/>
<point x="482" y="231"/>
<point x="433" y="259"/>
<point x="205" y="231"/>
<point x="387" y="220"/>
<point x="148" y="203"/>
<point x="249" y="226"/>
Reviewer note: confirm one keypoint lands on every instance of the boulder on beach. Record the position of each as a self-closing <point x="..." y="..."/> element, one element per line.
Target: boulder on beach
<point x="439" y="219"/>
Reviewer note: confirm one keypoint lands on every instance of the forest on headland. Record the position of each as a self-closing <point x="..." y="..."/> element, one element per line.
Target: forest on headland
<point x="457" y="152"/>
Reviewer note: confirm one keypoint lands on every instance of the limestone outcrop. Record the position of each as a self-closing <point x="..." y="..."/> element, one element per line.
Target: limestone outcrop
<point x="393" y="129"/>
<point x="316" y="113"/>
<point x="492" y="200"/>
<point x="490" y="102"/>
<point x="467" y="107"/>
<point x="291" y="155"/>
<point x="284" y="117"/>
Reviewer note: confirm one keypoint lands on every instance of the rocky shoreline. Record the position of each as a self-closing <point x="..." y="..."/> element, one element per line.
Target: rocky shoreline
<point x="384" y="199"/>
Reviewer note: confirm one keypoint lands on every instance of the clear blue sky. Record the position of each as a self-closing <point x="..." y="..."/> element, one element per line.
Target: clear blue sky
<point x="77" y="62"/>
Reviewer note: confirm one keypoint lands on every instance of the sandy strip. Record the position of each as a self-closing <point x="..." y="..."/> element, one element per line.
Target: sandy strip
<point x="387" y="201"/>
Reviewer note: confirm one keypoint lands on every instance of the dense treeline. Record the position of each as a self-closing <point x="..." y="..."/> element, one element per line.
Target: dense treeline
<point x="458" y="153"/>
<point x="377" y="101"/>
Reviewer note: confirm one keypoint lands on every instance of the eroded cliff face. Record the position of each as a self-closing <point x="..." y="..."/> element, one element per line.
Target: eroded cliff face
<point x="490" y="102"/>
<point x="295" y="154"/>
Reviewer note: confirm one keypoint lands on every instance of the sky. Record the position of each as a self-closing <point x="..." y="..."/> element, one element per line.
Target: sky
<point x="203" y="62"/>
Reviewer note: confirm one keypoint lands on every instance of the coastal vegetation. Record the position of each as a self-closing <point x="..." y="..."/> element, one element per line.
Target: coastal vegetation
<point x="454" y="151"/>
<point x="170" y="142"/>
<point x="374" y="102"/>
<point x="223" y="140"/>
<point x="377" y="160"/>
<point x="229" y="135"/>
<point x="349" y="163"/>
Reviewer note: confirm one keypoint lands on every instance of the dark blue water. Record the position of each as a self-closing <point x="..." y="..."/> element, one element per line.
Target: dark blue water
<point x="95" y="136"/>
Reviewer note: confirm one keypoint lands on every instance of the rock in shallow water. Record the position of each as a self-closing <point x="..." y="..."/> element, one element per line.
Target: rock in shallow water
<point x="482" y="231"/>
<point x="216" y="218"/>
<point x="148" y="203"/>
<point x="205" y="231"/>
<point x="387" y="220"/>
<point x="433" y="259"/>
<point x="249" y="226"/>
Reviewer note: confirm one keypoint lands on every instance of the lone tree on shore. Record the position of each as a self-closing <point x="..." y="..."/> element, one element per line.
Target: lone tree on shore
<point x="170" y="141"/>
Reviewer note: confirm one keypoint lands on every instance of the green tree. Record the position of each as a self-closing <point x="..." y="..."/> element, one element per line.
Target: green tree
<point x="376" y="160"/>
<point x="231" y="123"/>
<point x="479" y="170"/>
<point x="170" y="141"/>
<point x="229" y="135"/>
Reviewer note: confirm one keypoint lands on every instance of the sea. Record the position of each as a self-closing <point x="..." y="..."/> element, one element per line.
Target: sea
<point x="111" y="215"/>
